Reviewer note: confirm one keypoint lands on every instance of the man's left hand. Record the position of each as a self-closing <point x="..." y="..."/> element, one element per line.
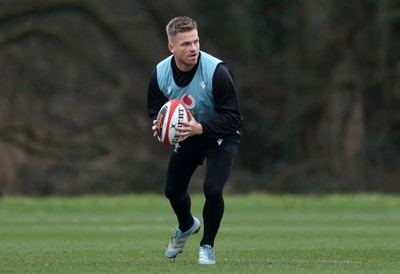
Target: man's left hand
<point x="188" y="129"/>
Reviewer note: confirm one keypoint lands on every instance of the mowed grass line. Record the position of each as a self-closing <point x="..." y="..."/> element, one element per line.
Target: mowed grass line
<point x="259" y="234"/>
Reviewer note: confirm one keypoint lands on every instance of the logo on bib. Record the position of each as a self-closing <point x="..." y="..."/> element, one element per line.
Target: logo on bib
<point x="189" y="101"/>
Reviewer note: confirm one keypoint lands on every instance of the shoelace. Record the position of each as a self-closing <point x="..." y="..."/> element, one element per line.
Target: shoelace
<point x="174" y="239"/>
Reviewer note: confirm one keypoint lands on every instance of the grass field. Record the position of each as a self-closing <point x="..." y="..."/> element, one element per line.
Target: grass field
<point x="259" y="234"/>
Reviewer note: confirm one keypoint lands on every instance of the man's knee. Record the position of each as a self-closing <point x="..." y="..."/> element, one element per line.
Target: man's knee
<point x="173" y="194"/>
<point x="212" y="191"/>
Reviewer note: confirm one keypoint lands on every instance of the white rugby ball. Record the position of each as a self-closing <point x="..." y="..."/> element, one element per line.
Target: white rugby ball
<point x="168" y="118"/>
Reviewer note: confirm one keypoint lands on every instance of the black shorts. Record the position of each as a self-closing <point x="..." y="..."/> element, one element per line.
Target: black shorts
<point x="199" y="146"/>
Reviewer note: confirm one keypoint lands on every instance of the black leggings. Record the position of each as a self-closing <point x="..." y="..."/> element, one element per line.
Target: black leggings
<point x="180" y="170"/>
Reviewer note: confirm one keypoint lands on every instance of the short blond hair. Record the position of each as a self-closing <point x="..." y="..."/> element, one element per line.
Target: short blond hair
<point x="179" y="24"/>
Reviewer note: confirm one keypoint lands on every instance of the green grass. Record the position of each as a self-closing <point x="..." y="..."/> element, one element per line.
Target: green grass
<point x="259" y="234"/>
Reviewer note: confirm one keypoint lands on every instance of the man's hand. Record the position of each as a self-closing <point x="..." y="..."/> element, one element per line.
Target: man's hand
<point x="155" y="131"/>
<point x="189" y="129"/>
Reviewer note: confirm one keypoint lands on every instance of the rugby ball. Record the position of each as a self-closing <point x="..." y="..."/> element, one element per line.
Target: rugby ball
<point x="168" y="118"/>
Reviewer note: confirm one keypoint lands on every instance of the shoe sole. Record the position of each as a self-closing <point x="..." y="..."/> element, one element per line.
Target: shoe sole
<point x="173" y="258"/>
<point x="206" y="262"/>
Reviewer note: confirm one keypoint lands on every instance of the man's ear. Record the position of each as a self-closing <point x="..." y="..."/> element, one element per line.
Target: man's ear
<point x="171" y="48"/>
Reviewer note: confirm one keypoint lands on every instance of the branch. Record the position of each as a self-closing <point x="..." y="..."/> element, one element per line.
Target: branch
<point x="40" y="8"/>
<point x="44" y="144"/>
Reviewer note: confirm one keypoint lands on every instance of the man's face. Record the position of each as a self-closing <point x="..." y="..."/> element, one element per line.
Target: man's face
<point x="185" y="47"/>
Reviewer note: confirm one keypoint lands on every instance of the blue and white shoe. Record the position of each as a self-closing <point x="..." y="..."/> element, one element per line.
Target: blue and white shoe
<point x="179" y="238"/>
<point x="206" y="255"/>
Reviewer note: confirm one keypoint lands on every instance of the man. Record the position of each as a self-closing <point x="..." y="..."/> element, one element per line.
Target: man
<point x="206" y="86"/>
